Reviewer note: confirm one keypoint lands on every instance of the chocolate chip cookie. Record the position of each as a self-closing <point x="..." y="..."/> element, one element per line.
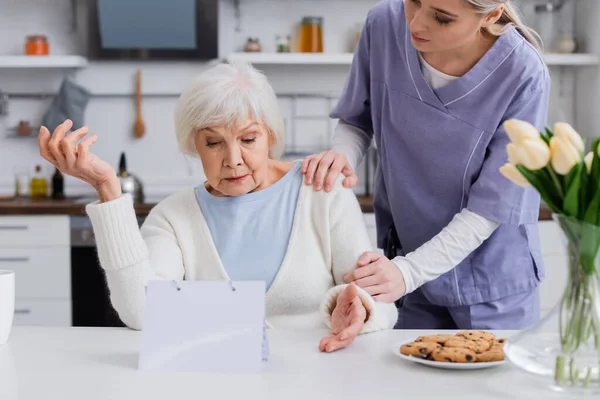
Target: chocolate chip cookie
<point x="454" y="355"/>
<point x="477" y="345"/>
<point x="474" y="335"/>
<point x="420" y="349"/>
<point x="441" y="339"/>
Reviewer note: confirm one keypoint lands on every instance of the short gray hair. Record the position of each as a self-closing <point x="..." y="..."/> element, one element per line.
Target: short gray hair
<point x="223" y="96"/>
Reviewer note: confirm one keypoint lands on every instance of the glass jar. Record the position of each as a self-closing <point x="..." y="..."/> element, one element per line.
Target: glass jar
<point x="282" y="43"/>
<point x="311" y="35"/>
<point x="37" y="45"/>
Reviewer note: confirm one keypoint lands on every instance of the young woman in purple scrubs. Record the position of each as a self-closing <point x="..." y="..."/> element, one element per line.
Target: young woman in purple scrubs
<point x="432" y="82"/>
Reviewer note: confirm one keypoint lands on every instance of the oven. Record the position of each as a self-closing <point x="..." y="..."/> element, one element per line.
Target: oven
<point x="91" y="305"/>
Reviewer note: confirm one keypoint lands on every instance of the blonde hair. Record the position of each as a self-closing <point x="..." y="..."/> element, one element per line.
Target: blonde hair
<point x="225" y="95"/>
<point x="510" y="17"/>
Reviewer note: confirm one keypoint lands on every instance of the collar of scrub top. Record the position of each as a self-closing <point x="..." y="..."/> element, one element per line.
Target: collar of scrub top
<point x="466" y="84"/>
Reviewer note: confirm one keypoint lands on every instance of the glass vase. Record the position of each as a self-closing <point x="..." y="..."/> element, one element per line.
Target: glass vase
<point x="563" y="348"/>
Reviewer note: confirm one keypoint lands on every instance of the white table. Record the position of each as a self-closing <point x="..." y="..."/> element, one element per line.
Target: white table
<point x="101" y="363"/>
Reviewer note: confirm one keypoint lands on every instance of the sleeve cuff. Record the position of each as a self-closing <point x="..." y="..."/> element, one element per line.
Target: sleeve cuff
<point x="118" y="239"/>
<point x="381" y="315"/>
<point x="407" y="273"/>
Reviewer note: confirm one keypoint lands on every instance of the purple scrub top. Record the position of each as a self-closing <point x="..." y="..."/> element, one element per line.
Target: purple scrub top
<point x="440" y="151"/>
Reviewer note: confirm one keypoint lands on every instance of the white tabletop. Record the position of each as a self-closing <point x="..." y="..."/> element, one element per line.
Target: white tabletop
<point x="101" y="363"/>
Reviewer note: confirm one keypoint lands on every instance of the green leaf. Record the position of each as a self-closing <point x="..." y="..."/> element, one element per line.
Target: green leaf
<point x="584" y="199"/>
<point x="544" y="185"/>
<point x="547" y="136"/>
<point x="573" y="189"/>
<point x="592" y="215"/>
<point x="571" y="176"/>
<point x="595" y="173"/>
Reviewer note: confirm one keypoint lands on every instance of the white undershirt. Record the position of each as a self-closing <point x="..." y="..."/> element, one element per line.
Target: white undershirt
<point x="436" y="79"/>
<point x="463" y="235"/>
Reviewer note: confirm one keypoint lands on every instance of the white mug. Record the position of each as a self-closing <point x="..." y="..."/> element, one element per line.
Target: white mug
<point x="7" y="304"/>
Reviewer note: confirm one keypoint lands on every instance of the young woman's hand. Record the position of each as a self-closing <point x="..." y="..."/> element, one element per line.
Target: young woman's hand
<point x="322" y="170"/>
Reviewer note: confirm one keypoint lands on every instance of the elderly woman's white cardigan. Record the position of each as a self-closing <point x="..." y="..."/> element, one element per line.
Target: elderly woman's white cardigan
<point x="328" y="237"/>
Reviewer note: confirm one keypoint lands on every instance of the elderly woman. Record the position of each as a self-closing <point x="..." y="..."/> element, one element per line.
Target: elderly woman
<point x="252" y="219"/>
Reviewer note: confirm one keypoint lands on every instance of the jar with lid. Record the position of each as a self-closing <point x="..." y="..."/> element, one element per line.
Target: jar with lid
<point x="37" y="45"/>
<point x="311" y="35"/>
<point x="282" y="43"/>
<point x="253" y="45"/>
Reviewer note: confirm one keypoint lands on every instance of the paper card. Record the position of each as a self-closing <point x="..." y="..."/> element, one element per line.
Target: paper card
<point x="204" y="326"/>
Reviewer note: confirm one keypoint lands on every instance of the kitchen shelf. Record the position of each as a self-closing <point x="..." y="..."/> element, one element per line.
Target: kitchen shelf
<point x="50" y="62"/>
<point x="552" y="59"/>
<point x="571" y="59"/>
<point x="293" y="58"/>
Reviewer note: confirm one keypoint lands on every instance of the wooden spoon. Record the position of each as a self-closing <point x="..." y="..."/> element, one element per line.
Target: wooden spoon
<point x="139" y="128"/>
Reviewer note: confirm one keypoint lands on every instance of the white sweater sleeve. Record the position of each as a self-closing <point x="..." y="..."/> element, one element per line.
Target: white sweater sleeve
<point x="131" y="257"/>
<point x="349" y="239"/>
<point x="351" y="141"/>
<point x="465" y="233"/>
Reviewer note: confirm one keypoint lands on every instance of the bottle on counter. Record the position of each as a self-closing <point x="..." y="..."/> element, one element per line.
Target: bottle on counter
<point x="58" y="185"/>
<point x="38" y="187"/>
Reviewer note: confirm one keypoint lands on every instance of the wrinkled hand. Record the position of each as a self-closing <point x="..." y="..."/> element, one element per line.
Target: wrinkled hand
<point x="322" y="170"/>
<point x="72" y="158"/>
<point x="379" y="277"/>
<point x="347" y="320"/>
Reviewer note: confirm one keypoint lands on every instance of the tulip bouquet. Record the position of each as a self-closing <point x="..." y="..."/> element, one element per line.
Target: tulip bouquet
<point x="553" y="162"/>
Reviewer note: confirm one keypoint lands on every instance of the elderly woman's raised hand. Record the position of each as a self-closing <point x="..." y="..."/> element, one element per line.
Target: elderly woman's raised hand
<point x="74" y="159"/>
<point x="347" y="320"/>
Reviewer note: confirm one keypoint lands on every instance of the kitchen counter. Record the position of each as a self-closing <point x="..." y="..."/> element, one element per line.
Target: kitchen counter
<point x="76" y="206"/>
<point x="69" y="206"/>
<point x="101" y="363"/>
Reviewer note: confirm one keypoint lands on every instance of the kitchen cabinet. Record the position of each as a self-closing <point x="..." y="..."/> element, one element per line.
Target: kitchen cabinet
<point x="37" y="249"/>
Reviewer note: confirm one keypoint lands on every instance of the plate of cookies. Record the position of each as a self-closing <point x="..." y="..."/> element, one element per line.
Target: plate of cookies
<point x="463" y="350"/>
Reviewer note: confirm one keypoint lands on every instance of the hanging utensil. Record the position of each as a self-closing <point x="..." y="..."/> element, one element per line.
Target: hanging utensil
<point x="139" y="128"/>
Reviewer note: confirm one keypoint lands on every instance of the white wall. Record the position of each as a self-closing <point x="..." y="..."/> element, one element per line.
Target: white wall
<point x="156" y="158"/>
<point x="588" y="80"/>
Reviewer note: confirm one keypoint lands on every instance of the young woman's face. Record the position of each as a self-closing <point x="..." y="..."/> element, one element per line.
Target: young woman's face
<point x="442" y="25"/>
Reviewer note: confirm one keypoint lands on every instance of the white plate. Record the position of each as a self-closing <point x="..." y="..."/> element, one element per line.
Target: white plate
<point x="446" y="365"/>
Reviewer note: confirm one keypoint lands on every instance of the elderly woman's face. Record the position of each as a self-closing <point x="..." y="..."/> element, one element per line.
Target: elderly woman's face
<point x="235" y="159"/>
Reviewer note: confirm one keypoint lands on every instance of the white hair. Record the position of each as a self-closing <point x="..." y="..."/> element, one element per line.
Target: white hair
<point x="225" y="95"/>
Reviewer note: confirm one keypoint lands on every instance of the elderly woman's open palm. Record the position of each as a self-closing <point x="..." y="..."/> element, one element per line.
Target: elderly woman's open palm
<point x="347" y="320"/>
<point x="72" y="156"/>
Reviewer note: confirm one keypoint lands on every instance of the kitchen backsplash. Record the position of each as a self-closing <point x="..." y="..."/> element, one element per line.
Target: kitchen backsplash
<point x="307" y="93"/>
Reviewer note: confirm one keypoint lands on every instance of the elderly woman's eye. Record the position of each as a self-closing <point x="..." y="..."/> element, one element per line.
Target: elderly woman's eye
<point x="248" y="141"/>
<point x="211" y="144"/>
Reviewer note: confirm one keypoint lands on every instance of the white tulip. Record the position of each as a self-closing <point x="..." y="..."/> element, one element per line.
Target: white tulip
<point x="514" y="154"/>
<point x="514" y="175"/>
<point x="518" y="130"/>
<point x="566" y="132"/>
<point x="532" y="154"/>
<point x="564" y="155"/>
<point x="589" y="159"/>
